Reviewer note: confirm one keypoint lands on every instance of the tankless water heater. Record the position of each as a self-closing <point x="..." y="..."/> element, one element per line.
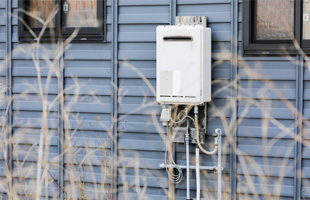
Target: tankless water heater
<point x="183" y="64"/>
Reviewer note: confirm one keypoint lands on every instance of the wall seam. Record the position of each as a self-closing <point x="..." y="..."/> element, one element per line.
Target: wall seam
<point x="234" y="99"/>
<point x="299" y="124"/>
<point x="61" y="120"/>
<point x="9" y="130"/>
<point x="114" y="97"/>
<point x="173" y="11"/>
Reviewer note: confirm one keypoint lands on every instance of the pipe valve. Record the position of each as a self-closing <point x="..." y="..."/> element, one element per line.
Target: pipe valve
<point x="218" y="131"/>
<point x="216" y="141"/>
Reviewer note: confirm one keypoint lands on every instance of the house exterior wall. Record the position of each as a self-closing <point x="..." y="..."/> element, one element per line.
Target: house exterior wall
<point x="90" y="94"/>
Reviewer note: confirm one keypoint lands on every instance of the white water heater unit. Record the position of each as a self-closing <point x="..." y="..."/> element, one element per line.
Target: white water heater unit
<point x="183" y="64"/>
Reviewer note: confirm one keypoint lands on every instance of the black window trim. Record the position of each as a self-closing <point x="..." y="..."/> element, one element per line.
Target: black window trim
<point x="24" y="34"/>
<point x="89" y="33"/>
<point x="271" y="47"/>
<point x="60" y="30"/>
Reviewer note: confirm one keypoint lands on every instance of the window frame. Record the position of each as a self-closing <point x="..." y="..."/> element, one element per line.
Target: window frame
<point x="23" y="33"/>
<point x="88" y="33"/>
<point x="269" y="47"/>
<point x="305" y="44"/>
<point x="61" y="31"/>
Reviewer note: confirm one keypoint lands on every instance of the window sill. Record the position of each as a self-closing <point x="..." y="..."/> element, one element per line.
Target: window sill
<point x="75" y="40"/>
<point x="264" y="53"/>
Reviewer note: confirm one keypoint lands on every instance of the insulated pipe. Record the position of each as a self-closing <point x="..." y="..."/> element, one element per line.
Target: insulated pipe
<point x="197" y="135"/>
<point x="197" y="175"/>
<point x="187" y="167"/>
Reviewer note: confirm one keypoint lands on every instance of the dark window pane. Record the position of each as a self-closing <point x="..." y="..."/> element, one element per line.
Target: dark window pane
<point x="274" y="19"/>
<point x="40" y="9"/>
<point x="306" y="20"/>
<point x="82" y="13"/>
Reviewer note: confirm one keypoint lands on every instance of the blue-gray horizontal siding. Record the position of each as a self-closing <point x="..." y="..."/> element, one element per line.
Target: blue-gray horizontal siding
<point x="3" y="100"/>
<point x="266" y="148"/>
<point x="267" y="93"/>
<point x="30" y="96"/>
<point x="140" y="147"/>
<point x="88" y="105"/>
<point x="305" y="184"/>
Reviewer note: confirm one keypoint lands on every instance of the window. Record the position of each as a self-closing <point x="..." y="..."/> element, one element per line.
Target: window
<point x="48" y="19"/>
<point x="272" y="26"/>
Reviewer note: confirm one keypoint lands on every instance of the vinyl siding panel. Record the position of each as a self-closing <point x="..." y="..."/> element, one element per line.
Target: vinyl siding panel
<point x="266" y="131"/>
<point x="140" y="147"/>
<point x="306" y="137"/>
<point x="35" y="116"/>
<point x="267" y="101"/>
<point x="34" y="104"/>
<point x="28" y="118"/>
<point x="87" y="117"/>
<point x="3" y="102"/>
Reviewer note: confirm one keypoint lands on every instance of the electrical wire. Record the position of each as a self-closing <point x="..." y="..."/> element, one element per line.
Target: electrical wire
<point x="180" y="120"/>
<point x="174" y="178"/>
